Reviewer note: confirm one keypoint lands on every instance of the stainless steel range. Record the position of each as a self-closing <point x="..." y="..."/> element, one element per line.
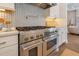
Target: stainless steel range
<point x="50" y="41"/>
<point x="30" y="42"/>
<point x="36" y="41"/>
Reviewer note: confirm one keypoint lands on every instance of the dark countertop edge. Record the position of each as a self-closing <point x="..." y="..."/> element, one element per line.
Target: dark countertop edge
<point x="27" y="28"/>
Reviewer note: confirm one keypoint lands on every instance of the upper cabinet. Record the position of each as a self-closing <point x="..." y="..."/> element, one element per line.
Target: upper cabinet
<point x="54" y="11"/>
<point x="59" y="11"/>
<point x="7" y="6"/>
<point x="7" y="13"/>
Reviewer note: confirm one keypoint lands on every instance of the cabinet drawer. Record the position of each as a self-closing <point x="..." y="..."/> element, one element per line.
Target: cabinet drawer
<point x="9" y="51"/>
<point x="7" y="41"/>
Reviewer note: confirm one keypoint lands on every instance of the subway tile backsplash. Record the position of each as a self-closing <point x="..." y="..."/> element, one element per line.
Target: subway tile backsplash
<point x="28" y="15"/>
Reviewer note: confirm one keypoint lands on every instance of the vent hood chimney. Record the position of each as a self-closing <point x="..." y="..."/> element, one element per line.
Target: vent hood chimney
<point x="46" y="5"/>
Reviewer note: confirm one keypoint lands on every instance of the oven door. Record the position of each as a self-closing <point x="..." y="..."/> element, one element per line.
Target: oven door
<point x="31" y="49"/>
<point x="49" y="44"/>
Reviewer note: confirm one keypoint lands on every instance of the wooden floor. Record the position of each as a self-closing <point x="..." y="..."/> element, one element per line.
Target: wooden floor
<point x="72" y="47"/>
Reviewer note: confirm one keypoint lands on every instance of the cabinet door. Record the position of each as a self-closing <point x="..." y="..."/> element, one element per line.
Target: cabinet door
<point x="8" y="41"/>
<point x="62" y="36"/>
<point x="54" y="11"/>
<point x="9" y="51"/>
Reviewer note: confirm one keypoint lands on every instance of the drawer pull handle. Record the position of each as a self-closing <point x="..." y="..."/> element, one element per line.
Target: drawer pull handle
<point x="2" y="43"/>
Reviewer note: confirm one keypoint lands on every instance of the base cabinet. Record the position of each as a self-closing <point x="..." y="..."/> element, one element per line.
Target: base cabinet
<point x="9" y="51"/>
<point x="9" y="45"/>
<point x="62" y="36"/>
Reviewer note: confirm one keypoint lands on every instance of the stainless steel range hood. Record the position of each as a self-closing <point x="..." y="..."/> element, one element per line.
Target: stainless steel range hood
<point x="44" y="5"/>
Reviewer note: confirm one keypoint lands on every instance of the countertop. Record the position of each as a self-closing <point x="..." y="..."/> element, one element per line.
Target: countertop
<point x="9" y="33"/>
<point x="27" y="28"/>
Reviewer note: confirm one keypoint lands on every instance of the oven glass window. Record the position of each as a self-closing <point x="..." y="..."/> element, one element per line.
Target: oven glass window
<point x="33" y="52"/>
<point x="51" y="43"/>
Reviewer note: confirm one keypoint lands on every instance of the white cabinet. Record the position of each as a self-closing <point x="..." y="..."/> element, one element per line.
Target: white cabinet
<point x="8" y="41"/>
<point x="9" y="45"/>
<point x="9" y="51"/>
<point x="54" y="11"/>
<point x="62" y="36"/>
<point x="59" y="11"/>
<point x="8" y="6"/>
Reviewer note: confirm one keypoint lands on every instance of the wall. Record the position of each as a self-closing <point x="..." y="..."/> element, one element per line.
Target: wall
<point x="71" y="15"/>
<point x="73" y="7"/>
<point x="29" y="15"/>
<point x="77" y="17"/>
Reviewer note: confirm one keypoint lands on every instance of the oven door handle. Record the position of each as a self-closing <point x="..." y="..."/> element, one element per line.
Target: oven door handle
<point x="49" y="39"/>
<point x="31" y="46"/>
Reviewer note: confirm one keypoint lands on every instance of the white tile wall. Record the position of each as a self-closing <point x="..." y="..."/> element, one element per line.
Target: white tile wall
<point x="36" y="16"/>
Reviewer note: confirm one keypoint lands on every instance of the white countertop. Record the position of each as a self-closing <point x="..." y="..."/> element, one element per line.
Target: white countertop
<point x="9" y="33"/>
